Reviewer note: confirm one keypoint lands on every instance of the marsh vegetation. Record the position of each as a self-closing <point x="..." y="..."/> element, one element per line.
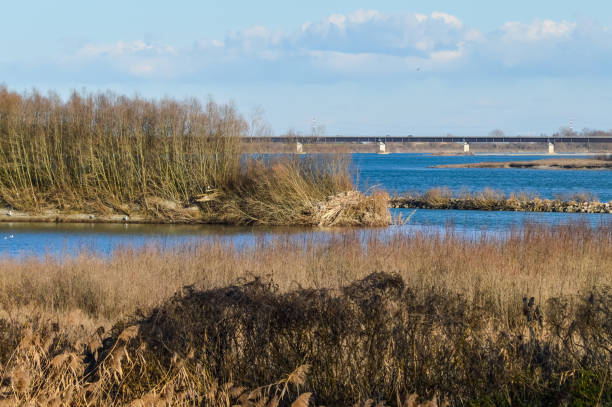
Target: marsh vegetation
<point x="398" y="320"/>
<point x="163" y="160"/>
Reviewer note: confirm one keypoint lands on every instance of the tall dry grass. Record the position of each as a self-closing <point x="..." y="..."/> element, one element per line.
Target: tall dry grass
<point x="168" y="160"/>
<point x="536" y="260"/>
<point x="524" y="319"/>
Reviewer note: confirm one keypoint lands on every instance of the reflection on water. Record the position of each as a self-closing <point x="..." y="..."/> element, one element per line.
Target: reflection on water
<point x="394" y="172"/>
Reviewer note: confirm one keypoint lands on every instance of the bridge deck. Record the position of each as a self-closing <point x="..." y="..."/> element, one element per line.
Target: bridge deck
<point x="417" y="139"/>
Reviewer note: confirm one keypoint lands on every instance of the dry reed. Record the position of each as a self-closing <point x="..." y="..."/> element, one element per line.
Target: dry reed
<point x="375" y="320"/>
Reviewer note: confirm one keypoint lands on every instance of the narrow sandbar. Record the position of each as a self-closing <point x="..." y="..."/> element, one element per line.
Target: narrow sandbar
<point x="545" y="164"/>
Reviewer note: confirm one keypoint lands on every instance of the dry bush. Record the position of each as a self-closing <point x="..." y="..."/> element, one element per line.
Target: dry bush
<point x="584" y="196"/>
<point x="375" y="340"/>
<point x="301" y="190"/>
<point x="438" y="197"/>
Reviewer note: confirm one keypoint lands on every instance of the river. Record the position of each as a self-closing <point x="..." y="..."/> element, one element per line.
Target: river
<point x="393" y="172"/>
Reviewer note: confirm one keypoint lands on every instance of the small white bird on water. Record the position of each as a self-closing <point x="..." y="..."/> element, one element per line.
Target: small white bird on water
<point x="126" y="218"/>
<point x="9" y="213"/>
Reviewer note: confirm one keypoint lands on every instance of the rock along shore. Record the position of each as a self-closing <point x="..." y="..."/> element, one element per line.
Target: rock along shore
<point x="510" y="204"/>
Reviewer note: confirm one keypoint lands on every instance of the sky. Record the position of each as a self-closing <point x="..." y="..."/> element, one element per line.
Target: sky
<point x="357" y="67"/>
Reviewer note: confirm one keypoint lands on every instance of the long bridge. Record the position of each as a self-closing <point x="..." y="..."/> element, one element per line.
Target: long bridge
<point x="466" y="141"/>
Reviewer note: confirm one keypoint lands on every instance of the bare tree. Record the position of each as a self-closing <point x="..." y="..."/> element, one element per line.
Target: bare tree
<point x="318" y="130"/>
<point x="566" y="132"/>
<point x="258" y="125"/>
<point x="497" y="133"/>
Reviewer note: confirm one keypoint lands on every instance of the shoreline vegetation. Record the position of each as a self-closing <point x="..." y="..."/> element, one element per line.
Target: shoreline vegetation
<point x="403" y="320"/>
<point x="347" y="209"/>
<point x="113" y="159"/>
<point x="116" y="158"/>
<point x="596" y="163"/>
<point x="491" y="200"/>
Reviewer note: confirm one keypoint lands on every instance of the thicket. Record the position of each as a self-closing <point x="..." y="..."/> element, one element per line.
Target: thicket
<point x="376" y="340"/>
<point x="170" y="160"/>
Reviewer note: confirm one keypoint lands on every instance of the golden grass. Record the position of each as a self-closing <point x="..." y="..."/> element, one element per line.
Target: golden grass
<point x="541" y="261"/>
<point x="348" y="321"/>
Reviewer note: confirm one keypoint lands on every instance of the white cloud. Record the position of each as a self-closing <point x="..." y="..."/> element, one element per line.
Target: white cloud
<point x="446" y="56"/>
<point x="125" y="48"/>
<point x="367" y="43"/>
<point x="370" y="31"/>
<point x="538" y="30"/>
<point x="447" y="18"/>
<point x="420" y="17"/>
<point x="339" y="20"/>
<point x="363" y="16"/>
<point x="136" y="58"/>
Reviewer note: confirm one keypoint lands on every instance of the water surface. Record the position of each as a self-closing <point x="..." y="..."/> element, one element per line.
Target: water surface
<point x="411" y="172"/>
<point x="393" y="172"/>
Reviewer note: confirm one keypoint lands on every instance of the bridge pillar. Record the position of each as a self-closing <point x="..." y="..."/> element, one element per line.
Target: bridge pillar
<point x="299" y="148"/>
<point x="551" y="147"/>
<point x="382" y="147"/>
<point x="466" y="147"/>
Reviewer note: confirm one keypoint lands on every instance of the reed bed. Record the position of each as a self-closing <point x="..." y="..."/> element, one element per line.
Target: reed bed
<point x="399" y="319"/>
<point x="170" y="161"/>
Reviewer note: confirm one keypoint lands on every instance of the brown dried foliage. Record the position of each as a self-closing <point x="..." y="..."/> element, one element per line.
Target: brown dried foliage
<point x="526" y="319"/>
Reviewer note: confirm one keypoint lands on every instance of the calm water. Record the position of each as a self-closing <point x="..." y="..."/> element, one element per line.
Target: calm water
<point x="408" y="172"/>
<point x="394" y="172"/>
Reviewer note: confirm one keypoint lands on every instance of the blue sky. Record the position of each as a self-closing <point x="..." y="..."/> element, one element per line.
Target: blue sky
<point x="385" y="67"/>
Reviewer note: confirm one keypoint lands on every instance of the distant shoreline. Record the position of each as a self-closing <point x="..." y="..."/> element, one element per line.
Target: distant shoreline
<point x="429" y="148"/>
<point x="544" y="164"/>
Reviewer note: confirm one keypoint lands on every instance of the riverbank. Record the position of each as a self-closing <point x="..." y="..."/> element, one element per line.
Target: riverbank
<point x="346" y="209"/>
<point x="471" y="322"/>
<point x="489" y="200"/>
<point x="350" y="208"/>
<point x="544" y="164"/>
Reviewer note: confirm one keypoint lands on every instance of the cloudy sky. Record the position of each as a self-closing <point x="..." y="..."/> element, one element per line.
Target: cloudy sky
<point x="359" y="67"/>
